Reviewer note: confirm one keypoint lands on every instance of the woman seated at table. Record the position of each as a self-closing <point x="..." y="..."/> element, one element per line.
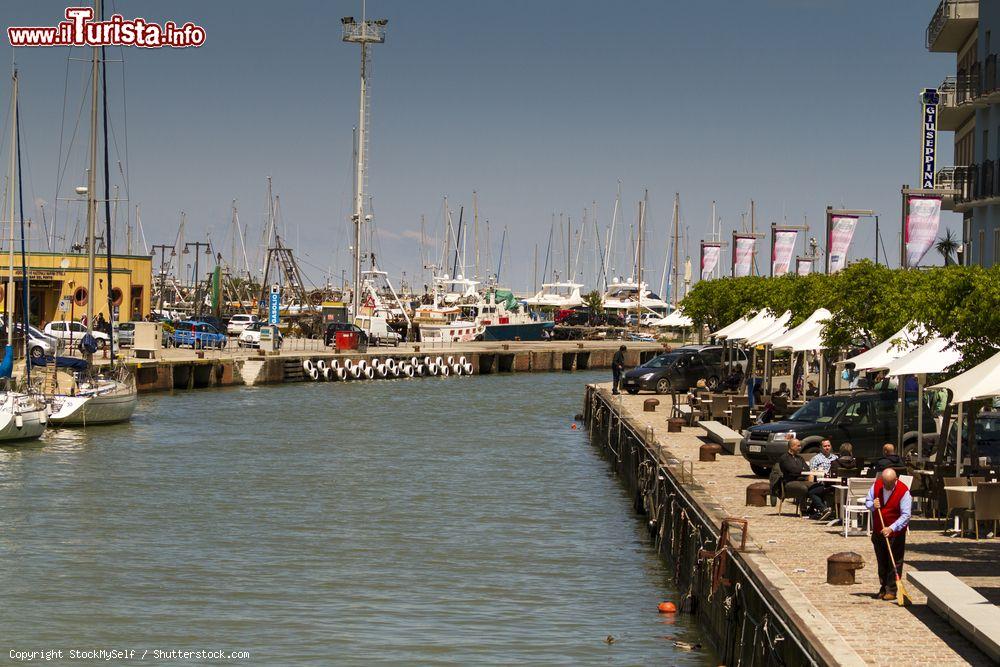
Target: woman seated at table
<point x="845" y="465"/>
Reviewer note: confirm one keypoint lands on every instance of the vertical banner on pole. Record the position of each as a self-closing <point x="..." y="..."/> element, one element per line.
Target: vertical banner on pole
<point x="841" y="228"/>
<point x="923" y="218"/>
<point x="803" y="267"/>
<point x="929" y="98"/>
<point x="709" y="258"/>
<point x="743" y="247"/>
<point x="782" y="249"/>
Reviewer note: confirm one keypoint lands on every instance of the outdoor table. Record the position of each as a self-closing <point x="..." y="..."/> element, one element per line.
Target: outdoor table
<point x="963" y="489"/>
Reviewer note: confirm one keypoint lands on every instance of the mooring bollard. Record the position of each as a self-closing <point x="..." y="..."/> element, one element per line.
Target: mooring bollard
<point x="674" y="425"/>
<point x="707" y="453"/>
<point x="757" y="494"/>
<point x="649" y="405"/>
<point x="840" y="567"/>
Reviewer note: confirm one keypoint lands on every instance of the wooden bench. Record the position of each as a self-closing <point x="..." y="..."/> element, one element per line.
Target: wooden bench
<point x="722" y="434"/>
<point x="965" y="609"/>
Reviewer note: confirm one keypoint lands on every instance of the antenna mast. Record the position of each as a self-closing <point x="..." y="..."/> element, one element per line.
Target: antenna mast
<point x="368" y="31"/>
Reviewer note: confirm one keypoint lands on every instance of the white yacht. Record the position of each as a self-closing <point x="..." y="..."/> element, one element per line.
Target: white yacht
<point x="624" y="296"/>
<point x="557" y="295"/>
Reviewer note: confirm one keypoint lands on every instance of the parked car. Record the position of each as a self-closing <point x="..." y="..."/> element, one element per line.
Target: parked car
<point x="866" y="419"/>
<point x="583" y="316"/>
<point x="239" y="323"/>
<point x="74" y="331"/>
<point x="680" y="370"/>
<point x="250" y="337"/>
<point x="377" y="330"/>
<point x="646" y="320"/>
<point x="198" y="334"/>
<point x="330" y="336"/>
<point x="39" y="344"/>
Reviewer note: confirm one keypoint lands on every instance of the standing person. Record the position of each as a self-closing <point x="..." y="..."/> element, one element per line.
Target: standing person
<point x="890" y="503"/>
<point x="617" y="368"/>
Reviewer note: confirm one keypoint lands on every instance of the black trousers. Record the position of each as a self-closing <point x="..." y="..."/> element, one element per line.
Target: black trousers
<point x="616" y="376"/>
<point x="886" y="575"/>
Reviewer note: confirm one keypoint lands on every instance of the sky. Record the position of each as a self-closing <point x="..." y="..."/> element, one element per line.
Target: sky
<point x="540" y="107"/>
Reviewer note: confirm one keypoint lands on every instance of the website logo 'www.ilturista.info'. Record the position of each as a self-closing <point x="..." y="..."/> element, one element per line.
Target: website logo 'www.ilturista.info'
<point x="79" y="29"/>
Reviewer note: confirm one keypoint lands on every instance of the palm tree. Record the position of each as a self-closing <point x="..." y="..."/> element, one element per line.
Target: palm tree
<point x="947" y="245"/>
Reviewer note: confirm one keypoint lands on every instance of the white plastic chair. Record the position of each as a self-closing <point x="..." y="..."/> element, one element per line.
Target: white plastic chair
<point x="854" y="504"/>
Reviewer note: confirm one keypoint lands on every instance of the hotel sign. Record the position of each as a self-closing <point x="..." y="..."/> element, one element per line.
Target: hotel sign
<point x="929" y="99"/>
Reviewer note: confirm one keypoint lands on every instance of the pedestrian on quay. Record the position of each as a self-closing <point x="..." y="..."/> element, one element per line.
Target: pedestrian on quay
<point x="890" y="503"/>
<point x="617" y="368"/>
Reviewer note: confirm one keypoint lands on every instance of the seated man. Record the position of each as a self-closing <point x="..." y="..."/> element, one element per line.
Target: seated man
<point x="791" y="465"/>
<point x="766" y="415"/>
<point x="812" y="390"/>
<point x="822" y="464"/>
<point x="889" y="459"/>
<point x="782" y="390"/>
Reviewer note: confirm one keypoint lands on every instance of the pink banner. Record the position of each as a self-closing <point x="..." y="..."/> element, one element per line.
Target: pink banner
<point x="841" y="233"/>
<point x="709" y="259"/>
<point x="922" y="224"/>
<point x="803" y="267"/>
<point x="782" y="250"/>
<point x="743" y="255"/>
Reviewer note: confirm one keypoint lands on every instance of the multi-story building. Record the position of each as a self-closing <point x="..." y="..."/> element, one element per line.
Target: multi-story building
<point x="970" y="107"/>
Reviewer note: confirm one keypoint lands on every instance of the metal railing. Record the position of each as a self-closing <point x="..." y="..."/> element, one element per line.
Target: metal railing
<point x="946" y="11"/>
<point x="975" y="182"/>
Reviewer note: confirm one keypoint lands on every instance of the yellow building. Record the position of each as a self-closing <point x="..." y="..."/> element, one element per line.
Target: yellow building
<point x="58" y="285"/>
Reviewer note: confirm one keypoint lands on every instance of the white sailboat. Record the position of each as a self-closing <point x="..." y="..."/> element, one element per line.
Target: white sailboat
<point x="89" y="397"/>
<point x="22" y="416"/>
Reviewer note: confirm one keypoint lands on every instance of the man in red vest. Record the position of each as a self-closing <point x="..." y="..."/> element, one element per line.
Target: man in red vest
<point x="890" y="503"/>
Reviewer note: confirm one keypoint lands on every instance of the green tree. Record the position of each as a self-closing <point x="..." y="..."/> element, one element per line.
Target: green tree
<point x="947" y="245"/>
<point x="593" y="301"/>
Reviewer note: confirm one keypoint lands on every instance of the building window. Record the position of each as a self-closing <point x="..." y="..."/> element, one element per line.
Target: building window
<point x="80" y="296"/>
<point x="982" y="247"/>
<point x="986" y="145"/>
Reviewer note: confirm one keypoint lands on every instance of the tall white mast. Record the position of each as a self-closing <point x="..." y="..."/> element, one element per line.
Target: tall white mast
<point x="92" y="181"/>
<point x="364" y="33"/>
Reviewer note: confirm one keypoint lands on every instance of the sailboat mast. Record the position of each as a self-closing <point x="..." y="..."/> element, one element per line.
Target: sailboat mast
<point x="475" y="227"/>
<point x="677" y="214"/>
<point x="107" y="203"/>
<point x="92" y="180"/>
<point x="611" y="236"/>
<point x="10" y="209"/>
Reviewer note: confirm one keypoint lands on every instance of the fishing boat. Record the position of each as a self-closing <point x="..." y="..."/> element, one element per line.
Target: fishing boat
<point x="466" y="315"/>
<point x="557" y="295"/>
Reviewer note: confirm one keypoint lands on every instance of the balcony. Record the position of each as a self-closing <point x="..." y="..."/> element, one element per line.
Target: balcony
<point x="944" y="179"/>
<point x="953" y="114"/>
<point x="951" y="25"/>
<point x="975" y="185"/>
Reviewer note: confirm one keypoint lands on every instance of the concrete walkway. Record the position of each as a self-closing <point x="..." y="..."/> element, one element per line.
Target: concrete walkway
<point x="879" y="632"/>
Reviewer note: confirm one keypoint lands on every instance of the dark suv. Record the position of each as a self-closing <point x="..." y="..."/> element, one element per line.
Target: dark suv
<point x="866" y="419"/>
<point x="681" y="369"/>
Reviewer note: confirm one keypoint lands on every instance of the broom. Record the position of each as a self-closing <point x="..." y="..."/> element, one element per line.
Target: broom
<point x="901" y="596"/>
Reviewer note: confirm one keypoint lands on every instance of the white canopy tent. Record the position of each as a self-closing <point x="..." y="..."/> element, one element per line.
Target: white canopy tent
<point x="770" y="334"/>
<point x="894" y="347"/>
<point x="981" y="381"/>
<point x="757" y="325"/>
<point x="806" y="336"/>
<point x="732" y="326"/>
<point x="932" y="357"/>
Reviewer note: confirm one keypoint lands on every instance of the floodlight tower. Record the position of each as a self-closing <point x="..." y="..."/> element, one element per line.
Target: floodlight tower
<point x="368" y="31"/>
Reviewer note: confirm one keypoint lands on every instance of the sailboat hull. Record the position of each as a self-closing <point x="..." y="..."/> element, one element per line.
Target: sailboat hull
<point x="527" y="331"/>
<point x="92" y="410"/>
<point x="31" y="428"/>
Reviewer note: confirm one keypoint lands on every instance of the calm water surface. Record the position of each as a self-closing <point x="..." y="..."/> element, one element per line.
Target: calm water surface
<point x="430" y="521"/>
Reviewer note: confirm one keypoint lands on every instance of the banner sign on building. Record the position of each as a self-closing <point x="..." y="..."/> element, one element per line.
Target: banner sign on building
<point x="782" y="249"/>
<point x="922" y="220"/>
<point x="929" y="98"/>
<point x="803" y="267"/>
<point x="743" y="250"/>
<point x="709" y="258"/>
<point x="841" y="233"/>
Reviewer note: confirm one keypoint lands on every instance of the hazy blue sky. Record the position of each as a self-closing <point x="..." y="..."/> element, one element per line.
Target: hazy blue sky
<point x="540" y="106"/>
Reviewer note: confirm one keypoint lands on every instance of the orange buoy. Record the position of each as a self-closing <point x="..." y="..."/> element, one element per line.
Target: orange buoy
<point x="573" y="427"/>
<point x="667" y="608"/>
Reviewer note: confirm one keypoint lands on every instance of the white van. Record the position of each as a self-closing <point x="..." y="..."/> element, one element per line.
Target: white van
<point x="378" y="330"/>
